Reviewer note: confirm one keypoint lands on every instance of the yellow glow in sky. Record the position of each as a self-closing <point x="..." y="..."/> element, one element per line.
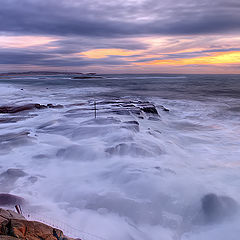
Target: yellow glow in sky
<point x="216" y="58"/>
<point x="102" y="53"/>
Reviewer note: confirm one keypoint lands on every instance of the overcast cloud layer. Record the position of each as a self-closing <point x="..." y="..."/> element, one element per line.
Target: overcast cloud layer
<point x="119" y="18"/>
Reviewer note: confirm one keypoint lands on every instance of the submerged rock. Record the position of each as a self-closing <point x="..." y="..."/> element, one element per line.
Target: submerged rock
<point x="15" y="226"/>
<point x="217" y="208"/>
<point x="9" y="178"/>
<point x="132" y="149"/>
<point x="13" y="173"/>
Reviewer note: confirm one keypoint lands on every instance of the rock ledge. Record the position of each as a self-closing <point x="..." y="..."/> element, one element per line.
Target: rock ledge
<point x="14" y="226"/>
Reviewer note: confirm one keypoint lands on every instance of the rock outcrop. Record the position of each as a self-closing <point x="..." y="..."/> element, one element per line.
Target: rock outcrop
<point x="14" y="226"/>
<point x="26" y="107"/>
<point x="140" y="109"/>
<point x="150" y="109"/>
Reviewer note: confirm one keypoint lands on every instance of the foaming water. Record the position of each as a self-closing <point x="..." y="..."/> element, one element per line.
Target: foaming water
<point x="130" y="173"/>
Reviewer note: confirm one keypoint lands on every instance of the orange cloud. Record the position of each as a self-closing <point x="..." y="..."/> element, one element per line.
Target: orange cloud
<point x="213" y="59"/>
<point x="102" y="53"/>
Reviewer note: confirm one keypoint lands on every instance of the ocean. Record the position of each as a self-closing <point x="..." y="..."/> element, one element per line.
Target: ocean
<point x="125" y="157"/>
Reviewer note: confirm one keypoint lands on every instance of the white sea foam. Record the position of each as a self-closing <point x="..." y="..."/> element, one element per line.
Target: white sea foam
<point x="110" y="179"/>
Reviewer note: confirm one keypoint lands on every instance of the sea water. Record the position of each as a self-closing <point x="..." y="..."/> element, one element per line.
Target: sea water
<point x="124" y="175"/>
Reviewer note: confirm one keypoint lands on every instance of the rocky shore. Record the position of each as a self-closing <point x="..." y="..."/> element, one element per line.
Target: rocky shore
<point x="14" y="226"/>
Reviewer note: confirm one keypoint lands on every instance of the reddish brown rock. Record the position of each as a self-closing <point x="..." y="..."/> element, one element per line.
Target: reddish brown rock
<point x="7" y="238"/>
<point x="15" y="226"/>
<point x="8" y="214"/>
<point x="33" y="230"/>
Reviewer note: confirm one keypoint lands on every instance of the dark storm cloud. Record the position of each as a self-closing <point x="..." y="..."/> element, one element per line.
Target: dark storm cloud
<point x="21" y="57"/>
<point x="80" y="44"/>
<point x="116" y="19"/>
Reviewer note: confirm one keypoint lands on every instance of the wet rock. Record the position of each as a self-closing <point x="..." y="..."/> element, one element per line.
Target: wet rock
<point x="76" y="104"/>
<point x="15" y="226"/>
<point x="91" y="74"/>
<point x="151" y="110"/>
<point x="26" y="107"/>
<point x="12" y="119"/>
<point x="7" y="199"/>
<point x="217" y="208"/>
<point x="132" y="122"/>
<point x="16" y="109"/>
<point x="101" y="121"/>
<point x="132" y="125"/>
<point x="153" y="118"/>
<point x="54" y="106"/>
<point x="122" y="112"/>
<point x="165" y="109"/>
<point x="107" y="102"/>
<point x="136" y="111"/>
<point x="128" y="105"/>
<point x="86" y="77"/>
<point x="13" y="136"/>
<point x="134" y="128"/>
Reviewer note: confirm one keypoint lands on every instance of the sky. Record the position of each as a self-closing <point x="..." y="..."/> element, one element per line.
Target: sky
<point x="120" y="36"/>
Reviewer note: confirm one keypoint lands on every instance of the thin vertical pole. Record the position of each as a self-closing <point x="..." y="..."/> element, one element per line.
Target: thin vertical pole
<point x="95" y="108"/>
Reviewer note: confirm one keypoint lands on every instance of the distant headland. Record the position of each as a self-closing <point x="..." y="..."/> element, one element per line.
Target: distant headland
<point x="73" y="75"/>
<point x="45" y="73"/>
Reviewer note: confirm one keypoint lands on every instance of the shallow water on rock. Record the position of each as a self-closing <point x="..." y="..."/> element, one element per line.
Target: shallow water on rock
<point x="135" y="172"/>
